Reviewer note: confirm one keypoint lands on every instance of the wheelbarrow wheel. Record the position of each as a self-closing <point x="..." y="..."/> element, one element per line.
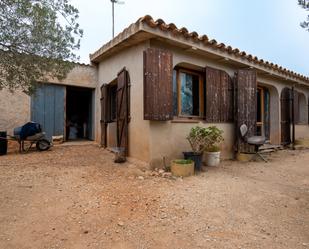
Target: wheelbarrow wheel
<point x="42" y="145"/>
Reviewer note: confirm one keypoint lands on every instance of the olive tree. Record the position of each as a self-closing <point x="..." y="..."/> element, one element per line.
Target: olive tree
<point x="305" y="4"/>
<point x="38" y="38"/>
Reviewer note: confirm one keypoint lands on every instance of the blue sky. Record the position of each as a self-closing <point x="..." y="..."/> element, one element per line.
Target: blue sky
<point x="268" y="29"/>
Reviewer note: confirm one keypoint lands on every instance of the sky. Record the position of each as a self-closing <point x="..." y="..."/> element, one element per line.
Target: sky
<point x="268" y="29"/>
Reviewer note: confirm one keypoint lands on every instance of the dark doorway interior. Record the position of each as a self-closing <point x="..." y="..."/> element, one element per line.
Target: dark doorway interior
<point x="78" y="113"/>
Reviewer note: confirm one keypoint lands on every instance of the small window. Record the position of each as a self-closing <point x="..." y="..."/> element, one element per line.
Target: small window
<point x="188" y="98"/>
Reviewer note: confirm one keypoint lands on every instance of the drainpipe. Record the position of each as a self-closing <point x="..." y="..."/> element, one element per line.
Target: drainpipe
<point x="293" y="120"/>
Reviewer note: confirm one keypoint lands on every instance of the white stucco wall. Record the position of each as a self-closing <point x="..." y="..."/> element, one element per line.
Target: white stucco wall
<point x="132" y="59"/>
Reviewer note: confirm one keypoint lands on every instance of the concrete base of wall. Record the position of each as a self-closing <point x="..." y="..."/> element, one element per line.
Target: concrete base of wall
<point x="302" y="142"/>
<point x="244" y="157"/>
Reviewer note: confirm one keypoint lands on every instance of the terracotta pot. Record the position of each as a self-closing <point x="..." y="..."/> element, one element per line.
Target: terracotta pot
<point x="182" y="169"/>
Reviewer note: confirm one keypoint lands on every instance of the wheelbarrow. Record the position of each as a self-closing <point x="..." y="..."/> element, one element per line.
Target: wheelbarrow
<point x="38" y="139"/>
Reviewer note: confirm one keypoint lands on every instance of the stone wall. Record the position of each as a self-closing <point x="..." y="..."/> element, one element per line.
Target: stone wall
<point x="15" y="106"/>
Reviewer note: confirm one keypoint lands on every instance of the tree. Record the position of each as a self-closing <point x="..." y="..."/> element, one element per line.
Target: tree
<point x="37" y="41"/>
<point x="304" y="4"/>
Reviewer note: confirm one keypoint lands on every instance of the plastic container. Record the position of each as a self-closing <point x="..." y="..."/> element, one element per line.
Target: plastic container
<point x="182" y="168"/>
<point x="120" y="156"/>
<point x="3" y="143"/>
<point x="196" y="158"/>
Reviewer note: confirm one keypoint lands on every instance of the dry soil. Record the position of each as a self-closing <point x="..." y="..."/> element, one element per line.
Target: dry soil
<point x="76" y="197"/>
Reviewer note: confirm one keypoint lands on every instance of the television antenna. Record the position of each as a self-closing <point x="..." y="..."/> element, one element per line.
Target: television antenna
<point x="113" y="14"/>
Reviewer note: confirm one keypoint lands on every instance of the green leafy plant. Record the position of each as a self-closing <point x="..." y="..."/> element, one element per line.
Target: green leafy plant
<point x="214" y="148"/>
<point x="205" y="139"/>
<point x="214" y="138"/>
<point x="183" y="161"/>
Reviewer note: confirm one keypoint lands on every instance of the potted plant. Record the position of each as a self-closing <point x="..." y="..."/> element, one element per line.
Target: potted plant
<point x="212" y="150"/>
<point x="182" y="167"/>
<point x="197" y="140"/>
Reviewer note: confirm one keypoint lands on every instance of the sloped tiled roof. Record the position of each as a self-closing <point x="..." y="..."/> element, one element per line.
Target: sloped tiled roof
<point x="194" y="37"/>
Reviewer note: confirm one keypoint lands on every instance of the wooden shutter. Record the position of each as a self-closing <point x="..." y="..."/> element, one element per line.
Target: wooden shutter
<point x="226" y="98"/>
<point x="246" y="109"/>
<point x="123" y="109"/>
<point x="219" y="96"/>
<point x="213" y="82"/>
<point x="158" y="84"/>
<point x="296" y="106"/>
<point x="104" y="115"/>
<point x="285" y="101"/>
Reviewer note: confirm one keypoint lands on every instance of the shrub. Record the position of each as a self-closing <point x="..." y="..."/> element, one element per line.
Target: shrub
<point x="202" y="139"/>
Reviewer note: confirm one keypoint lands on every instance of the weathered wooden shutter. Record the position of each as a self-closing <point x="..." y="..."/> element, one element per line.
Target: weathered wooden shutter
<point x="158" y="84"/>
<point x="296" y="106"/>
<point x="308" y="109"/>
<point x="285" y="101"/>
<point x="219" y="96"/>
<point x="104" y="115"/>
<point x="123" y="109"/>
<point x="213" y="82"/>
<point x="246" y="109"/>
<point x="226" y="98"/>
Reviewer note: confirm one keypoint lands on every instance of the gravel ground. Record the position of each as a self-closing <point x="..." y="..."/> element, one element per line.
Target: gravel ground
<point x="76" y="197"/>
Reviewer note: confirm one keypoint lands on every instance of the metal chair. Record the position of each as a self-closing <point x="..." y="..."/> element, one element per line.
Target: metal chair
<point x="257" y="141"/>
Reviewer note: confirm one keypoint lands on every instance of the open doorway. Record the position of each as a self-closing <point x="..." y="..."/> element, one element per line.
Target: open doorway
<point x="263" y="112"/>
<point x="79" y="113"/>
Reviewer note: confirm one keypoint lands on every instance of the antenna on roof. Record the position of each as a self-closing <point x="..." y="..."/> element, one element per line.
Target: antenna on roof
<point x="113" y="14"/>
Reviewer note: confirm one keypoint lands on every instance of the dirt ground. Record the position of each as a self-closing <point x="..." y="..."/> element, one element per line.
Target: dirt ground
<point x="76" y="197"/>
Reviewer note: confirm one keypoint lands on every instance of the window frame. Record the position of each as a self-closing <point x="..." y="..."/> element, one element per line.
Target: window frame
<point x="111" y="87"/>
<point x="201" y="93"/>
<point x="261" y="123"/>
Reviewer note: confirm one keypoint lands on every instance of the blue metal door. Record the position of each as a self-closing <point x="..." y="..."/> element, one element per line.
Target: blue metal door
<point x="48" y="109"/>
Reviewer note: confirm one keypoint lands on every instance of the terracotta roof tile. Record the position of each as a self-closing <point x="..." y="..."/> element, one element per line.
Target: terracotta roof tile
<point x="194" y="36"/>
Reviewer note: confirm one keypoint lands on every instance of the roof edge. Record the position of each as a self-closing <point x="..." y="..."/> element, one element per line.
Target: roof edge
<point x="194" y="38"/>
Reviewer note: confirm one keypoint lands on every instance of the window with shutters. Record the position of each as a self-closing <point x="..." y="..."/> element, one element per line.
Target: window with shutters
<point x="188" y="97"/>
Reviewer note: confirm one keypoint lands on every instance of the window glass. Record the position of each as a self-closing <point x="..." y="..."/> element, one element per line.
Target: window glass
<point x="259" y="103"/>
<point x="175" y="94"/>
<point x="189" y="93"/>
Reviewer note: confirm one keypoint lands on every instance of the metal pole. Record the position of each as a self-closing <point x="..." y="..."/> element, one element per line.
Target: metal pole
<point x="293" y="120"/>
<point x="113" y="2"/>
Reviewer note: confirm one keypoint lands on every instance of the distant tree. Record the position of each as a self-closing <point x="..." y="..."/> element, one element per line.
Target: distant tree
<point x="305" y="4"/>
<point x="37" y="39"/>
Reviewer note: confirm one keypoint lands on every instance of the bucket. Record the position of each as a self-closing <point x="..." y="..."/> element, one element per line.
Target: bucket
<point x="212" y="158"/>
<point x="120" y="155"/>
<point x="3" y="143"/>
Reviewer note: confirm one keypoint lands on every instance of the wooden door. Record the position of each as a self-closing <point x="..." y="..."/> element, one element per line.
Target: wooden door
<point x="246" y="109"/>
<point x="286" y="97"/>
<point x="104" y="121"/>
<point x="48" y="109"/>
<point x="123" y="109"/>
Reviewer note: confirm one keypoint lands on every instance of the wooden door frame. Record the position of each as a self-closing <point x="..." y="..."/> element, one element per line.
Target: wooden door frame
<point x="261" y="123"/>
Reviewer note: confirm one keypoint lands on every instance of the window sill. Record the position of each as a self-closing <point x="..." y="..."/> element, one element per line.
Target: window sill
<point x="186" y="120"/>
